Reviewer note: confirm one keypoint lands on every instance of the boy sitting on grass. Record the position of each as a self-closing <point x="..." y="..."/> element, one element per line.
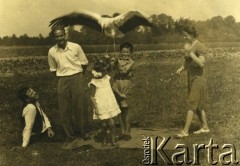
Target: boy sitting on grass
<point x="33" y="118"/>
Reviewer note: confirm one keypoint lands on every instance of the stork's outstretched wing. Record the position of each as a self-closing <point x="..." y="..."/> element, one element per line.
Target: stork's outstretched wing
<point x="130" y="20"/>
<point x="85" y="18"/>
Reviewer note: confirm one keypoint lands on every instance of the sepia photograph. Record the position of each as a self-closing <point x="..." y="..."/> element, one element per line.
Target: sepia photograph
<point x="119" y="83"/>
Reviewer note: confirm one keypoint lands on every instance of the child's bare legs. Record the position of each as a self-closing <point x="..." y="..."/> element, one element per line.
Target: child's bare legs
<point x="203" y="119"/>
<point x="121" y="124"/>
<point x="124" y="122"/>
<point x="189" y="119"/>
<point x="104" y="132"/>
<point x="112" y="127"/>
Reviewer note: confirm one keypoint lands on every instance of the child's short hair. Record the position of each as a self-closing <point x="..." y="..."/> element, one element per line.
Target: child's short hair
<point x="126" y="45"/>
<point x="99" y="66"/>
<point x="22" y="93"/>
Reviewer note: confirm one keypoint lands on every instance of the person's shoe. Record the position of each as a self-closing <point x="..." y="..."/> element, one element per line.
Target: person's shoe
<point x="182" y="134"/>
<point x="201" y="131"/>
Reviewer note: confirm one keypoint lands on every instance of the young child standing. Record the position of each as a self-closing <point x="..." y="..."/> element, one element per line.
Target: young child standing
<point x="34" y="120"/>
<point x="197" y="86"/>
<point x="104" y="101"/>
<point x="122" y="85"/>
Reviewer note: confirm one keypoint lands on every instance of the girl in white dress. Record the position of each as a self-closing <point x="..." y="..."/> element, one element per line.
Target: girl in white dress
<point x="104" y="101"/>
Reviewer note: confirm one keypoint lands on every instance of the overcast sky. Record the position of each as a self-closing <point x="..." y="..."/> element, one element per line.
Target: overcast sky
<point x="33" y="16"/>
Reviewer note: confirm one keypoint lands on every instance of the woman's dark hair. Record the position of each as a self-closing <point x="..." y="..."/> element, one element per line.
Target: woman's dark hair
<point x="22" y="93"/>
<point x="99" y="66"/>
<point x="126" y="45"/>
<point x="190" y="30"/>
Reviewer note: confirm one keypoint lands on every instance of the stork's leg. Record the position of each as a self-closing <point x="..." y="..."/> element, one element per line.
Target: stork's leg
<point x="107" y="48"/>
<point x="114" y="46"/>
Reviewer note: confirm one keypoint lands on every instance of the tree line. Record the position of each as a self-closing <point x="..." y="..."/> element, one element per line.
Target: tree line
<point x="165" y="30"/>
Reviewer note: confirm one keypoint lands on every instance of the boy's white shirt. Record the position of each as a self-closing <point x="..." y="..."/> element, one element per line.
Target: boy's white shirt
<point x="29" y="113"/>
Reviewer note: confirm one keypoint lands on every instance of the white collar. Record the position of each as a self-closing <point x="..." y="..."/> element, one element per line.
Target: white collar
<point x="66" y="48"/>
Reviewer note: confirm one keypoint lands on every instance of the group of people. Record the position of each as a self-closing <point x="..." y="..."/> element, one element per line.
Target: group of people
<point x="69" y="63"/>
<point x="109" y="98"/>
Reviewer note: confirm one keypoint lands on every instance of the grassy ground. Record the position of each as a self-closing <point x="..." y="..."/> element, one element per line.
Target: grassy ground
<point x="158" y="100"/>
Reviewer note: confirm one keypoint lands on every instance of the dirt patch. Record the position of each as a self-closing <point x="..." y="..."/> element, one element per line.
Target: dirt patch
<point x="138" y="134"/>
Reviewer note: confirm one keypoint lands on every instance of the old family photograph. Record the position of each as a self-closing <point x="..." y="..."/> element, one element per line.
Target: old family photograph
<point x="119" y="82"/>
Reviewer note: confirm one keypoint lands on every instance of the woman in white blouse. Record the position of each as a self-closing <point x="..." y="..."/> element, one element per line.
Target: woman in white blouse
<point x="34" y="119"/>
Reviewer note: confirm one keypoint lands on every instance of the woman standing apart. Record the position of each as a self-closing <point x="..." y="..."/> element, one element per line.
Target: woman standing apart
<point x="194" y="63"/>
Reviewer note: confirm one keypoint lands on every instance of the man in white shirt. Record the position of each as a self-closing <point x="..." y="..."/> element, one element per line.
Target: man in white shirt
<point x="69" y="62"/>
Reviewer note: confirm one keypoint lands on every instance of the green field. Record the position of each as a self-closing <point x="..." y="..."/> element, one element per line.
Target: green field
<point x="16" y="51"/>
<point x="158" y="101"/>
